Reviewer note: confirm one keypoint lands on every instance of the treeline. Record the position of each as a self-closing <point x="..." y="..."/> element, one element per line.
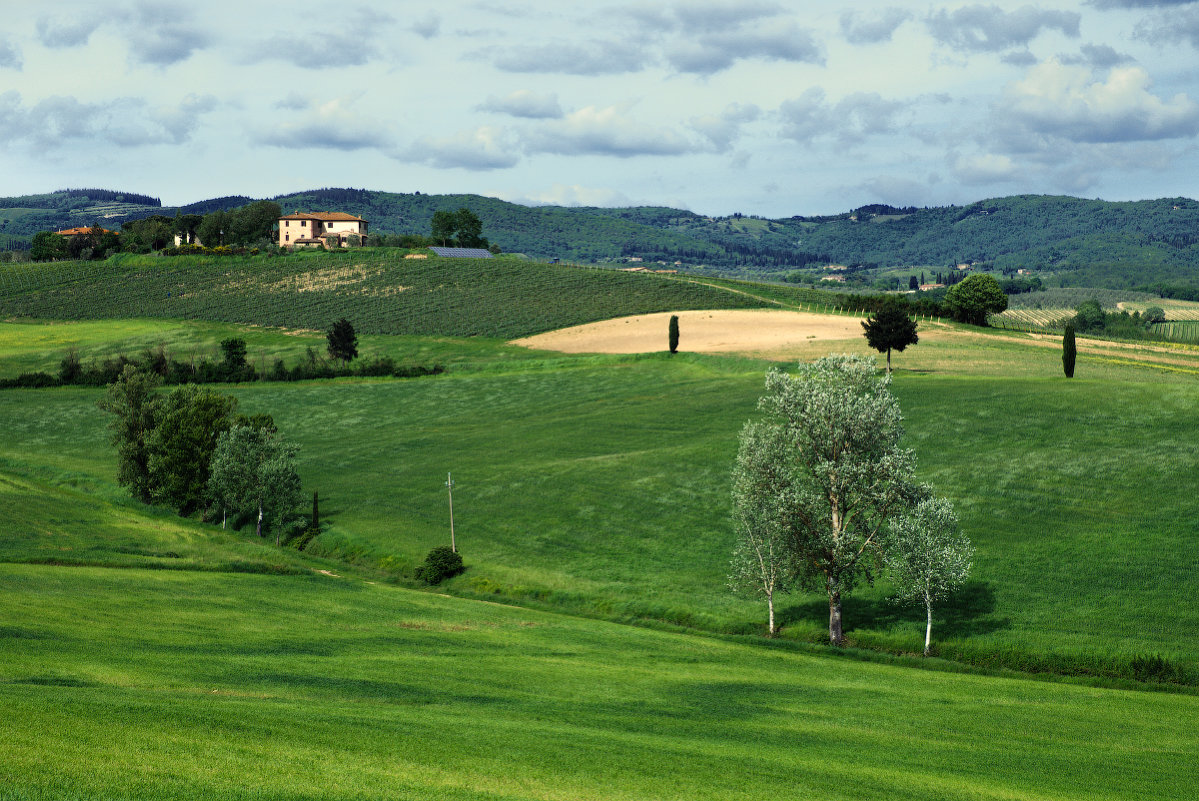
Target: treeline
<point x="734" y="255"/>
<point x="69" y="198"/>
<point x="252" y="225"/>
<point x="234" y="367"/>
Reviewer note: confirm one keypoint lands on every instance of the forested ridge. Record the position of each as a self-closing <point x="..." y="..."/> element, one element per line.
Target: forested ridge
<point x="1086" y="242"/>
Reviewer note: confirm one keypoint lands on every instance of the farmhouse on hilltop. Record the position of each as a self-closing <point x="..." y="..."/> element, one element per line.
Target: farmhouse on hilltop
<point x="310" y="229"/>
<point x="85" y="230"/>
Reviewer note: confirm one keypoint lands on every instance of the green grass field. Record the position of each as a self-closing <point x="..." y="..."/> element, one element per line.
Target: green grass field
<point x="600" y="485"/>
<point x="144" y="684"/>
<point x="144" y="656"/>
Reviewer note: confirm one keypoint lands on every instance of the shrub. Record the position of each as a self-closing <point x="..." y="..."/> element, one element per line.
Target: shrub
<point x="443" y="562"/>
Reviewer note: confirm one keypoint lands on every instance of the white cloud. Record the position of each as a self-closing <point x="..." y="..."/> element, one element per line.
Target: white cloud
<point x="596" y="57"/>
<point x="717" y="51"/>
<point x="10" y="55"/>
<point x="427" y="26"/>
<point x="572" y="195"/>
<point x="70" y="32"/>
<point x="723" y="129"/>
<point x="853" y="119"/>
<point x="990" y="28"/>
<point x="606" y="132"/>
<point x="483" y="148"/>
<point x="1066" y="101"/>
<point x="870" y="29"/>
<point x="331" y="125"/>
<point x="525" y="104"/>
<point x="984" y="168"/>
<point x="62" y="121"/>
<point x="1178" y="25"/>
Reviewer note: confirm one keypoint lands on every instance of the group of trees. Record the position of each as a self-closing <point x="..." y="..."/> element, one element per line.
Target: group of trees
<point x="824" y="497"/>
<point x="252" y="224"/>
<point x="461" y="228"/>
<point x="1090" y="317"/>
<point x="190" y="449"/>
<point x="97" y="243"/>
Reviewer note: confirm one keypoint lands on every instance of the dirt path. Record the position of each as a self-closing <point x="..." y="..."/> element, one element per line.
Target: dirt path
<point x="719" y="331"/>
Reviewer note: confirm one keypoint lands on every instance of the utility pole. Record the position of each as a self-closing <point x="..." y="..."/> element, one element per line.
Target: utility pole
<point x="449" y="485"/>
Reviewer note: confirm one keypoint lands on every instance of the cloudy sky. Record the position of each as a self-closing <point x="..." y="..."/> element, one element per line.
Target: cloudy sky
<point x="772" y="108"/>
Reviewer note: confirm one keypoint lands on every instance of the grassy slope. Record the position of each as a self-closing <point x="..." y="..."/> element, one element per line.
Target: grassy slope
<point x="141" y="684"/>
<point x="600" y="484"/>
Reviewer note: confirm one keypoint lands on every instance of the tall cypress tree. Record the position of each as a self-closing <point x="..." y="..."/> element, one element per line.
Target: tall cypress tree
<point x="673" y="333"/>
<point x="1069" y="351"/>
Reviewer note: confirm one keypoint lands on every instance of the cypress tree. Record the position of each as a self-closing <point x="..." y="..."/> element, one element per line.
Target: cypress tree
<point x="674" y="333"/>
<point x="1069" y="351"/>
<point x="316" y="514"/>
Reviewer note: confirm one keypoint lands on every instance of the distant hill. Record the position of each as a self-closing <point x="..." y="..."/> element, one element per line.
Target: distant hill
<point x="1091" y="242"/>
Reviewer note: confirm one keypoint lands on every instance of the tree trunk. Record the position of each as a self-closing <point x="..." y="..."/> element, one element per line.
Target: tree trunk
<point x="928" y="629"/>
<point x="258" y="528"/>
<point x="888" y="360"/>
<point x="835" y="637"/>
<point x="770" y="606"/>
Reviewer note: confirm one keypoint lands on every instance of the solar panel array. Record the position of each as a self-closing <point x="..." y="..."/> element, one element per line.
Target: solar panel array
<point x="462" y="253"/>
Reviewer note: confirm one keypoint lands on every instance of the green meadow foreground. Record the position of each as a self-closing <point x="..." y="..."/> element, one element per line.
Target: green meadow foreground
<point x="145" y="656"/>
<point x="141" y="684"/>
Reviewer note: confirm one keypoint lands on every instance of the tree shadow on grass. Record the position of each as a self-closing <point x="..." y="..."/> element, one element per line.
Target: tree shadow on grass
<point x="969" y="612"/>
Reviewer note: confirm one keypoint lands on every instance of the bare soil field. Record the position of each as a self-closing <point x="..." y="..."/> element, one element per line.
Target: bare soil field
<point x="732" y="331"/>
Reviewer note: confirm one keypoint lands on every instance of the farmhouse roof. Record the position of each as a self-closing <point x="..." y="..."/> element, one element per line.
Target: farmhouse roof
<point x="81" y="230"/>
<point x="325" y="216"/>
<point x="463" y="253"/>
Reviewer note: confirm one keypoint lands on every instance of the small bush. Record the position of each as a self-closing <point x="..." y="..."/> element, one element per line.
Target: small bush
<point x="1157" y="669"/>
<point x="441" y="563"/>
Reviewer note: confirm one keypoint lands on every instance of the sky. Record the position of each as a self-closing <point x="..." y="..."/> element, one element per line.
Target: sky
<point x="752" y="107"/>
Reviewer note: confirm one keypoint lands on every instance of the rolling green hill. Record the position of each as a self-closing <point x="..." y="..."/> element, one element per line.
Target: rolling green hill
<point x="1081" y="242"/>
<point x="145" y="656"/>
<point x="383" y="292"/>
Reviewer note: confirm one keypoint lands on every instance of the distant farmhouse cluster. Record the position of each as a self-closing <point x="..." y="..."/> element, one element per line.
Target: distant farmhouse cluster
<point x="315" y="228"/>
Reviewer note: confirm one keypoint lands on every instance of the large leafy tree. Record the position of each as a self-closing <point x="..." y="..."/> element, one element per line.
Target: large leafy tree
<point x="190" y="422"/>
<point x="443" y="227"/>
<point x="971" y="300"/>
<point x="133" y="400"/>
<point x="252" y="223"/>
<point x="834" y="475"/>
<point x="461" y="228"/>
<point x="152" y="233"/>
<point x="47" y="246"/>
<point x="928" y="556"/>
<point x="470" y="229"/>
<point x="890" y="328"/>
<point x="253" y="472"/>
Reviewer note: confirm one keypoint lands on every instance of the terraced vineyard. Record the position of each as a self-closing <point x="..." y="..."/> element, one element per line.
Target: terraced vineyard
<point x="1031" y="318"/>
<point x="1175" y="309"/>
<point x="382" y="292"/>
<point x="1187" y="331"/>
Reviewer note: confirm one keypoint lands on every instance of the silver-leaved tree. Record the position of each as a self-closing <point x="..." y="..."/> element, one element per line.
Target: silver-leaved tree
<point x="821" y="475"/>
<point x="927" y="556"/>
